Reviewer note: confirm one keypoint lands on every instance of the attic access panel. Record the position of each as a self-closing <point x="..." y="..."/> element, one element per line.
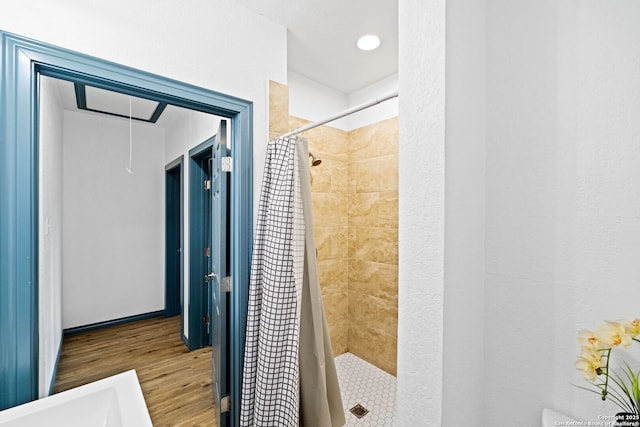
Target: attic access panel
<point x="103" y="101"/>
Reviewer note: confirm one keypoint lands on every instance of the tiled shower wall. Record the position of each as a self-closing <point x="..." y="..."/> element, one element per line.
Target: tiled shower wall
<point x="355" y="208"/>
<point x="373" y="243"/>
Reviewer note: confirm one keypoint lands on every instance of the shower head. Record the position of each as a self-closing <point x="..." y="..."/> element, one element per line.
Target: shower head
<point x="314" y="161"/>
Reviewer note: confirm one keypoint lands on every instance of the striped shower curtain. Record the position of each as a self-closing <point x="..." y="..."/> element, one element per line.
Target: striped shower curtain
<point x="289" y="376"/>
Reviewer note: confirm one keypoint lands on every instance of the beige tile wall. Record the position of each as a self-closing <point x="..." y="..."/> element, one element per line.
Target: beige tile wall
<point x="278" y="109"/>
<point x="355" y="208"/>
<point x="373" y="248"/>
<point x="331" y="225"/>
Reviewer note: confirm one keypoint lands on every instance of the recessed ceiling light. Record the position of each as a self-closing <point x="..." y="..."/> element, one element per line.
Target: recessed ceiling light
<point x="368" y="42"/>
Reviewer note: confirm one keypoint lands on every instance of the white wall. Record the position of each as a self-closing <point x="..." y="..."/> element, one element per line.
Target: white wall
<point x="464" y="352"/>
<point x="113" y="221"/>
<point x="421" y="209"/>
<point x="313" y="101"/>
<point x="521" y="215"/>
<point x="384" y="110"/>
<point x="50" y="237"/>
<point x="183" y="133"/>
<point x="563" y="195"/>
<point x="216" y="44"/>
<point x="597" y="205"/>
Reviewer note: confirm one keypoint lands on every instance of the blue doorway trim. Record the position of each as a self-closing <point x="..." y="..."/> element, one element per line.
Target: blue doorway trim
<point x="22" y="60"/>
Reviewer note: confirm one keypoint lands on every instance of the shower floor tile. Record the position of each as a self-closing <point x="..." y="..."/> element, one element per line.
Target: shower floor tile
<point x="364" y="384"/>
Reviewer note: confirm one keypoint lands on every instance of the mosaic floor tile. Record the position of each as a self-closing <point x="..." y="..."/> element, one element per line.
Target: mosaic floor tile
<point x="372" y="388"/>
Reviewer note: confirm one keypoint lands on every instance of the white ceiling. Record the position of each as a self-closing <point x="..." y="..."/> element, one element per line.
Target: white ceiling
<point x="322" y="38"/>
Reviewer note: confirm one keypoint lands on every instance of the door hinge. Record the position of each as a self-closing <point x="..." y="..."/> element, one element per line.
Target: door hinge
<point x="225" y="404"/>
<point x="227" y="164"/>
<point x="225" y="286"/>
<point x="207" y="184"/>
<point x="205" y="319"/>
<point x="207" y="252"/>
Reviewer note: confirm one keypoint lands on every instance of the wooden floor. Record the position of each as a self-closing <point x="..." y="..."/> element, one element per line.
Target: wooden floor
<point x="176" y="383"/>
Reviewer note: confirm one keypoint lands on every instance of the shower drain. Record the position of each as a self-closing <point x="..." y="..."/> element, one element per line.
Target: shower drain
<point x="359" y="411"/>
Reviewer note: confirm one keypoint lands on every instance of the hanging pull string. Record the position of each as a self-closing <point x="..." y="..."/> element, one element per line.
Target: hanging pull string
<point x="128" y="169"/>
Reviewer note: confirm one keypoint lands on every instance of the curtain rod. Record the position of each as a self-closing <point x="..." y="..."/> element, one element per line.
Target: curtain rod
<point x="341" y="114"/>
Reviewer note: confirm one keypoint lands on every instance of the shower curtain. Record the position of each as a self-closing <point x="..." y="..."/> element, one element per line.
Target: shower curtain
<point x="289" y="376"/>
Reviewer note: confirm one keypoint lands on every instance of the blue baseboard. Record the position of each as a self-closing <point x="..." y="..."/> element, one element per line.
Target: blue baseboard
<point x="120" y="321"/>
<point x="55" y="367"/>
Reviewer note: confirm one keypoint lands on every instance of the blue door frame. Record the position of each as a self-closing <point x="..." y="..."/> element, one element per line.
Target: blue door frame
<point x="199" y="238"/>
<point x="174" y="240"/>
<point x="22" y="60"/>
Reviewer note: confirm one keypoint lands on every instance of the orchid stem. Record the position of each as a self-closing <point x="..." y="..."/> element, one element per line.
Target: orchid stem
<point x="606" y="381"/>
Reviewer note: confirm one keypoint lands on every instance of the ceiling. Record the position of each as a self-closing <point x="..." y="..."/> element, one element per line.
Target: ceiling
<point x="321" y="45"/>
<point x="322" y="36"/>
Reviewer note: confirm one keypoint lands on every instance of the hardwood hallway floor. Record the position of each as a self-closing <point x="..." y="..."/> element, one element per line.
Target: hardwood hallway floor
<point x="176" y="383"/>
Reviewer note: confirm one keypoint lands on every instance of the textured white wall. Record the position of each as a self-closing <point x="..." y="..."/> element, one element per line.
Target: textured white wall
<point x="464" y="352"/>
<point x="183" y="133"/>
<point x="50" y="237"/>
<point x="113" y="221"/>
<point x="421" y="208"/>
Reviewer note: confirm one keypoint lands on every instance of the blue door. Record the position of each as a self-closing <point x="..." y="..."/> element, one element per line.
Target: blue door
<point x="220" y="285"/>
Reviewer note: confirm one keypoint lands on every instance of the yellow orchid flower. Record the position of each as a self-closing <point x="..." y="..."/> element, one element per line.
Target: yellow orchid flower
<point x="588" y="339"/>
<point x="613" y="334"/>
<point x="590" y="363"/>
<point x="595" y="354"/>
<point x="632" y="328"/>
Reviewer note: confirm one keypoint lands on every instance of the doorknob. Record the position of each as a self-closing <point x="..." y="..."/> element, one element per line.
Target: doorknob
<point x="209" y="277"/>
